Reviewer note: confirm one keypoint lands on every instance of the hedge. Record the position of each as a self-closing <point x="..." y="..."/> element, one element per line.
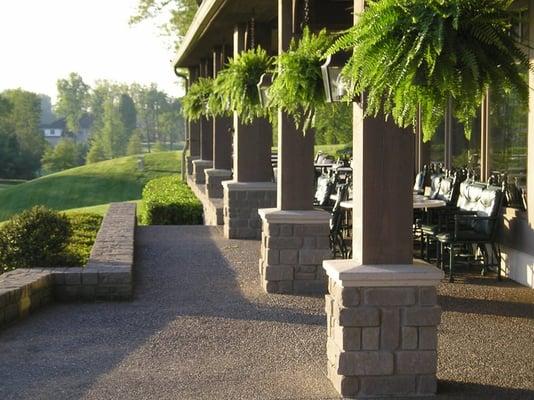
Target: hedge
<point x="168" y="201"/>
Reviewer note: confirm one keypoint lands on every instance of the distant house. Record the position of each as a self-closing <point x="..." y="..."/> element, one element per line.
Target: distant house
<point x="57" y="130"/>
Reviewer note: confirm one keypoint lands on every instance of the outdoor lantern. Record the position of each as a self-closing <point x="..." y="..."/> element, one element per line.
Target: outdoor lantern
<point x="334" y="85"/>
<point x="264" y="85"/>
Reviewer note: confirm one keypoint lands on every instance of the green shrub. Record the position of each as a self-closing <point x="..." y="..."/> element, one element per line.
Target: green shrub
<point x="35" y="238"/>
<point x="168" y="201"/>
<point x="84" y="227"/>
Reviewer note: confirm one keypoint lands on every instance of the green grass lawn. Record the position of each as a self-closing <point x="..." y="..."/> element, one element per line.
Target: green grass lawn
<point x="7" y="183"/>
<point x="90" y="187"/>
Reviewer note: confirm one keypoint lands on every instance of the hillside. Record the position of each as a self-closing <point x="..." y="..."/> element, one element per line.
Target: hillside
<point x="91" y="185"/>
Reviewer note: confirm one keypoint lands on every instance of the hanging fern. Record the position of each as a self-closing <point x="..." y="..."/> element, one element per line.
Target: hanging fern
<point x="237" y="83"/>
<point x="195" y="102"/>
<point x="297" y="86"/>
<point x="411" y="53"/>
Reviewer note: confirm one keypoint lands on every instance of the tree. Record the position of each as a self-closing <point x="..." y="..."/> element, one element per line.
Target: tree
<point x="23" y="121"/>
<point x="73" y="100"/>
<point x="128" y="113"/>
<point x="11" y="161"/>
<point x="134" y="144"/>
<point x="181" y="15"/>
<point x="96" y="152"/>
<point x="47" y="115"/>
<point x="171" y="123"/>
<point x="150" y="102"/>
<point x="113" y="134"/>
<point x="67" y="154"/>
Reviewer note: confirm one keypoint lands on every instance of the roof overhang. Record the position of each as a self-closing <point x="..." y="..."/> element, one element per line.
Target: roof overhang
<point x="213" y="26"/>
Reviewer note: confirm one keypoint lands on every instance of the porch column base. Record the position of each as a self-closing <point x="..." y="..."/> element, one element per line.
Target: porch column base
<point x="382" y="329"/>
<point x="214" y="179"/>
<point x="293" y="247"/>
<point x="199" y="166"/>
<point x="189" y="161"/>
<point x="242" y="200"/>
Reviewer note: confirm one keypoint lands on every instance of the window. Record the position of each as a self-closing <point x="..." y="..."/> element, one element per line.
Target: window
<point x="466" y="152"/>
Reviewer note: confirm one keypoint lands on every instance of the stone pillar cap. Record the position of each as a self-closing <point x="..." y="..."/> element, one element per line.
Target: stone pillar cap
<point x="236" y="186"/>
<point x="203" y="162"/>
<point x="218" y="172"/>
<point x="349" y="273"/>
<point x="276" y="216"/>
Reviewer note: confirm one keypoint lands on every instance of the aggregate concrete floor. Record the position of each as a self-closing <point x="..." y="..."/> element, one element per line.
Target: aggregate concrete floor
<point x="200" y="327"/>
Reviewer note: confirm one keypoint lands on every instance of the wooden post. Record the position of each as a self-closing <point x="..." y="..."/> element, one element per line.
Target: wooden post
<point x="295" y="150"/>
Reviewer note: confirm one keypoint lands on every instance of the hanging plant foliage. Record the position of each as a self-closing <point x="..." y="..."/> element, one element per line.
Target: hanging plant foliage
<point x="298" y="86"/>
<point x="195" y="102"/>
<point x="411" y="53"/>
<point x="237" y="83"/>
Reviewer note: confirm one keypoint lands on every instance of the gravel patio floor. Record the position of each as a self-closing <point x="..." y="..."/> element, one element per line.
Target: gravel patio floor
<point x="200" y="327"/>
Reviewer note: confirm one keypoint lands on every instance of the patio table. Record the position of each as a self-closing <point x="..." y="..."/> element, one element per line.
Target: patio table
<point x="418" y="202"/>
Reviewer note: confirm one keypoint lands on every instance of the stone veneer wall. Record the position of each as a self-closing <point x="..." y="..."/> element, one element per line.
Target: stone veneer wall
<point x="107" y="275"/>
<point x="213" y="208"/>
<point x="382" y="340"/>
<point x="199" y="166"/>
<point x="241" y="204"/>
<point x="189" y="160"/>
<point x="214" y="179"/>
<point x="292" y="256"/>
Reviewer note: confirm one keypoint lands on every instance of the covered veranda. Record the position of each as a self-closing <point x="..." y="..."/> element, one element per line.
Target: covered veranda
<point x="382" y="279"/>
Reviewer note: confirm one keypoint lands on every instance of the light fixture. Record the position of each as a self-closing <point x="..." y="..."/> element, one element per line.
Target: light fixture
<point x="264" y="85"/>
<point x="335" y="85"/>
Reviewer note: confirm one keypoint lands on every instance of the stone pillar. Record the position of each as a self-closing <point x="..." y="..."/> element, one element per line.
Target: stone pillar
<point x="381" y="309"/>
<point x="206" y="138"/>
<point x="293" y="247"/>
<point x="194" y="132"/>
<point x="252" y="186"/>
<point x="293" y="265"/>
<point x="382" y="329"/>
<point x="222" y="142"/>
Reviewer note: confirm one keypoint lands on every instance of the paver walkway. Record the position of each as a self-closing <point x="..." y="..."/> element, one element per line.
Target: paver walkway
<point x="200" y="327"/>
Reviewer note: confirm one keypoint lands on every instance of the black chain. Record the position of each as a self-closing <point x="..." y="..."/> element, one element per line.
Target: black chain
<point x="252" y="33"/>
<point x="306" y="12"/>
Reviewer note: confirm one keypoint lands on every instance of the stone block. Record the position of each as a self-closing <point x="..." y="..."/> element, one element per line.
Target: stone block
<point x="286" y="230"/>
<point x="428" y="296"/>
<point x="347" y="339"/>
<point x="365" y="317"/>
<point x="416" y="362"/>
<point x="422" y="316"/>
<point x="305" y="276"/>
<point x="272" y="256"/>
<point x="389" y="296"/>
<point x="289" y="256"/>
<point x="89" y="278"/>
<point x="387" y="386"/>
<point x="284" y="243"/>
<point x="365" y="363"/>
<point x="309" y="243"/>
<point x="114" y="278"/>
<point x="409" y="338"/>
<point x="347" y="297"/>
<point x="313" y="256"/>
<point x="427" y="384"/>
<point x="309" y="287"/>
<point x="285" y="287"/>
<point x="428" y="338"/>
<point x="347" y="386"/>
<point x="370" y="338"/>
<point x="73" y="278"/>
<point x="390" y="328"/>
<point x="278" y="272"/>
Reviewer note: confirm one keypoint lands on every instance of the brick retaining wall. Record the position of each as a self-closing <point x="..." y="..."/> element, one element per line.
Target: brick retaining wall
<point x="107" y="275"/>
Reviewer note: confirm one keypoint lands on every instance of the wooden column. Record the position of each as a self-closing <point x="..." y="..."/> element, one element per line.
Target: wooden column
<point x="206" y="124"/>
<point x="222" y="126"/>
<point x="295" y="150"/>
<point x="382" y="188"/>
<point x="194" y="126"/>
<point x="252" y="142"/>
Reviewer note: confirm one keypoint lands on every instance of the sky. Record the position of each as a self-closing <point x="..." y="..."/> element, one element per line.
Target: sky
<point x="42" y="41"/>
